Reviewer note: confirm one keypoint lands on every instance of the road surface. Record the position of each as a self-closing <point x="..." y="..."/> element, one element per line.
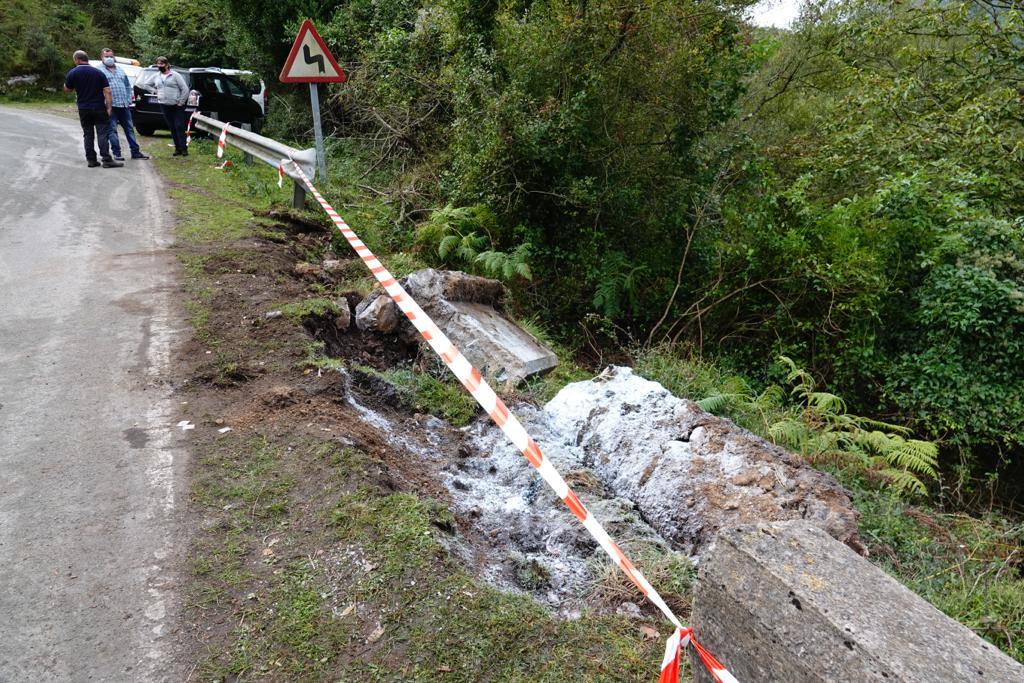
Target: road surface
<point x="91" y="464"/>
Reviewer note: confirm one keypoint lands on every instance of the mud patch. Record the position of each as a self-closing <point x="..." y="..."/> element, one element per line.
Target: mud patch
<point x="136" y="437"/>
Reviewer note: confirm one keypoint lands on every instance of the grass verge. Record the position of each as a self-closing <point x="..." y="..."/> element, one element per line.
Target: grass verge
<point x="310" y="561"/>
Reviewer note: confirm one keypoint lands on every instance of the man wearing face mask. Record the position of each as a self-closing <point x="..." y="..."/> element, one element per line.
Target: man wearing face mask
<point x="172" y="93"/>
<point x="120" y="112"/>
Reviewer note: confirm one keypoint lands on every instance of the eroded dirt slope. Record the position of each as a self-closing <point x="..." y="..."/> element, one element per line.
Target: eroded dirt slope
<point x="326" y="545"/>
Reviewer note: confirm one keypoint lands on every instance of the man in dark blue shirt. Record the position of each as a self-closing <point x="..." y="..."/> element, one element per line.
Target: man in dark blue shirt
<point x="92" y="92"/>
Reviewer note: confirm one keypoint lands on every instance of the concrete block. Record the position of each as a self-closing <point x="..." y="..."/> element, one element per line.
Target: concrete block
<point x="467" y="308"/>
<point x="494" y="344"/>
<point x="787" y="602"/>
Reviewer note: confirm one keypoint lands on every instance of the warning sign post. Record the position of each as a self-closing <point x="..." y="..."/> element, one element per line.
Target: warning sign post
<point x="311" y="62"/>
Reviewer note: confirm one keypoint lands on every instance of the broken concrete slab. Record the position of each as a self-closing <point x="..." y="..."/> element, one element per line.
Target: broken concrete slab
<point x="786" y="602"/>
<point x="468" y="309"/>
<point x="688" y="472"/>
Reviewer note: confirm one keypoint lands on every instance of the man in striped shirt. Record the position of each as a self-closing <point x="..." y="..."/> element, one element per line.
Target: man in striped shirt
<point x="121" y="94"/>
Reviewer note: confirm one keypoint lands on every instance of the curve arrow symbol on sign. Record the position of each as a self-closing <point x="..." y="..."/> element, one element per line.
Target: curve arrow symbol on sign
<point x="310" y="58"/>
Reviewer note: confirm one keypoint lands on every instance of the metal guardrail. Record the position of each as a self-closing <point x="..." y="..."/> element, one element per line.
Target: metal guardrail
<point x="265" y="149"/>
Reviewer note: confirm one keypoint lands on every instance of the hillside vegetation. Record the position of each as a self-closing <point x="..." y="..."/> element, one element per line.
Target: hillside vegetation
<point x="818" y="233"/>
<point x="845" y="194"/>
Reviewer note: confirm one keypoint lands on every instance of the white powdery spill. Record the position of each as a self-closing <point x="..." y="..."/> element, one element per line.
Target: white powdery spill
<point x="654" y="469"/>
<point x="537" y="545"/>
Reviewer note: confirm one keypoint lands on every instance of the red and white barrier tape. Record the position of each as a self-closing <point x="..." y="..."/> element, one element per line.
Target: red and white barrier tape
<point x="514" y="430"/>
<point x="280" y="175"/>
<point x="222" y="140"/>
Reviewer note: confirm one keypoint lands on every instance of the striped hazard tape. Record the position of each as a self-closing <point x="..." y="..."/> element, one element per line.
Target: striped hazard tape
<point x="222" y="140"/>
<point x="514" y="430"/>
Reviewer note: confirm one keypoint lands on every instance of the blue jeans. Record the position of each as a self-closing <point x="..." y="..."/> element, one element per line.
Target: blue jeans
<point x="175" y="118"/>
<point x="122" y="115"/>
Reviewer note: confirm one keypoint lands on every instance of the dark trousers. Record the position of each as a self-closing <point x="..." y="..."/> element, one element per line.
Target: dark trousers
<point x="95" y="127"/>
<point x="175" y="118"/>
<point x="122" y="115"/>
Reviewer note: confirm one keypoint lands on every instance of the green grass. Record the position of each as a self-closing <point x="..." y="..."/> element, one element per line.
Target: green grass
<point x="215" y="205"/>
<point x="288" y="620"/>
<point x="298" y="640"/>
<point x="35" y="97"/>
<point x="968" y="567"/>
<point x="694" y="378"/>
<point x="309" y="308"/>
<point x="426" y="393"/>
<point x="442" y="620"/>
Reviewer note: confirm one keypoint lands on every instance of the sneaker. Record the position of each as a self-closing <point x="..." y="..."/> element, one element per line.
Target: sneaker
<point x="140" y="155"/>
<point x="184" y="152"/>
<point x="112" y="164"/>
<point x="118" y="157"/>
<point x="176" y="153"/>
<point x="93" y="163"/>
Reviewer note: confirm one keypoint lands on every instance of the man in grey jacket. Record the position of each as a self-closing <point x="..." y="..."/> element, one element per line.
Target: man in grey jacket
<point x="172" y="94"/>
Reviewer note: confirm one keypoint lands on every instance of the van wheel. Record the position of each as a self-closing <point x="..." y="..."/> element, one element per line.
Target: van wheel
<point x="145" y="130"/>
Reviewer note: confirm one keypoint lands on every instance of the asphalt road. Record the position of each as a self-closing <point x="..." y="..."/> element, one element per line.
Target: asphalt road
<point x="91" y="464"/>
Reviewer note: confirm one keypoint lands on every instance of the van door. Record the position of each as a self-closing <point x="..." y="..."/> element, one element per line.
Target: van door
<point x="225" y="98"/>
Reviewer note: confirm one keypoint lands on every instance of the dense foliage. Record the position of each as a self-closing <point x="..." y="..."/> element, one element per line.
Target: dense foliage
<point x="889" y="212"/>
<point x="37" y="37"/>
<point x="846" y="193"/>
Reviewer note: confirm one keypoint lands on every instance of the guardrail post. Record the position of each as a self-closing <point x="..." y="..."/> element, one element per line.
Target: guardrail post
<point x="270" y="152"/>
<point x="248" y="156"/>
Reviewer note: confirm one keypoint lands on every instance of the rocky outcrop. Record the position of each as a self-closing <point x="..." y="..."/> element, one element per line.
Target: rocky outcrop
<point x="467" y="309"/>
<point x="688" y="472"/>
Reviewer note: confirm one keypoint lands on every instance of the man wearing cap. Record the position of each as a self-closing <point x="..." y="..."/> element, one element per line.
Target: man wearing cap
<point x="121" y="100"/>
<point x="92" y="93"/>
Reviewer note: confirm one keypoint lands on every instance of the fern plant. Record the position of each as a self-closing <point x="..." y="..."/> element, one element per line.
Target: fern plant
<point x="824" y="429"/>
<point x="756" y="412"/>
<point x="819" y="427"/>
<point x="465" y="237"/>
<point x="618" y="286"/>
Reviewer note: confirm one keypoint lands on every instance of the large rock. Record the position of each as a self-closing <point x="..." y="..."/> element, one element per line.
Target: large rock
<point x="786" y="602"/>
<point x="688" y="472"/>
<point x="639" y="457"/>
<point x="467" y="309"/>
<point x="378" y="313"/>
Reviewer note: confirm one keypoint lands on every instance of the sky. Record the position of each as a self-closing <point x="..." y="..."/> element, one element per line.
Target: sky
<point x="778" y="13"/>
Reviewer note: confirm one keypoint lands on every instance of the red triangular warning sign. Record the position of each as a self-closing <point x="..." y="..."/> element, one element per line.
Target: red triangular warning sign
<point x="310" y="61"/>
